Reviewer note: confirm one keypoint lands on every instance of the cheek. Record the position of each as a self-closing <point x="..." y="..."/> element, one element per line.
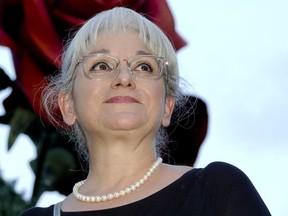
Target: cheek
<point x="164" y="105"/>
<point x="158" y="99"/>
<point x="161" y="93"/>
<point x="83" y="88"/>
<point x="83" y="93"/>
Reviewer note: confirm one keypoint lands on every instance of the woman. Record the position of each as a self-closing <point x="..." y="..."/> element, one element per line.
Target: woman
<point x="117" y="90"/>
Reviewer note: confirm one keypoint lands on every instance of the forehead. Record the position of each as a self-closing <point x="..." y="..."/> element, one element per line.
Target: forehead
<point x="121" y="43"/>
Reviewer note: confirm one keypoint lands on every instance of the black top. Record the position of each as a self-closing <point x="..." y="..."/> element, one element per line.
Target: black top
<point x="218" y="189"/>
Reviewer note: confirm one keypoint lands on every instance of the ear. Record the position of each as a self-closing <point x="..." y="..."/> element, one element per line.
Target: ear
<point x="66" y="108"/>
<point x="169" y="106"/>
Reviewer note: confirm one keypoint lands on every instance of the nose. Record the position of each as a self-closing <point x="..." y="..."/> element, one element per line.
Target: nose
<point x="123" y="77"/>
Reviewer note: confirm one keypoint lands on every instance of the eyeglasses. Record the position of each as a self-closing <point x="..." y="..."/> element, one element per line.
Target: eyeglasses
<point x="101" y="66"/>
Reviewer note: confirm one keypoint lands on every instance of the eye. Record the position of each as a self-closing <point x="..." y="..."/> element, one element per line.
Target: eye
<point x="101" y="66"/>
<point x="144" y="67"/>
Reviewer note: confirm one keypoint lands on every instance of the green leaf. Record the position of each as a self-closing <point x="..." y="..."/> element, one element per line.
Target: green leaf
<point x="11" y="202"/>
<point x="20" y="121"/>
<point x="5" y="119"/>
<point x="58" y="164"/>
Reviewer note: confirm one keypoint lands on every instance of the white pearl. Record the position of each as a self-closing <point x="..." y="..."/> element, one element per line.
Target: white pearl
<point x="122" y="193"/>
<point x="137" y="184"/>
<point x="93" y="199"/>
<point x="142" y="181"/>
<point x="116" y="194"/>
<point x="104" y="197"/>
<point x="145" y="177"/>
<point x="133" y="187"/>
<point x="110" y="196"/>
<point x="127" y="190"/>
<point x="98" y="199"/>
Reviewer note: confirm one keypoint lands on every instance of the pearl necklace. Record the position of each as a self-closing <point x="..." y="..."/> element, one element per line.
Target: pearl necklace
<point x="111" y="196"/>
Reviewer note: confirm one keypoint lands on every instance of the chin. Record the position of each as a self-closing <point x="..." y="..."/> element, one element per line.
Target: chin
<point x="127" y="121"/>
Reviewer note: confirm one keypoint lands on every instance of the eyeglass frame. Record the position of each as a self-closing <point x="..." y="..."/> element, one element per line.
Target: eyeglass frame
<point x="118" y="61"/>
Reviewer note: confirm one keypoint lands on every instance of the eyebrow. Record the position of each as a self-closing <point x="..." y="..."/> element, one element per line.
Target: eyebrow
<point x="140" y="52"/>
<point x="106" y="51"/>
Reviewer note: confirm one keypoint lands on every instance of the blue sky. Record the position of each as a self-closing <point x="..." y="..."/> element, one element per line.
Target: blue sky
<point x="237" y="62"/>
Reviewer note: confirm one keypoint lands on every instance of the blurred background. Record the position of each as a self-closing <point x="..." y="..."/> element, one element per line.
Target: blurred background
<point x="236" y="60"/>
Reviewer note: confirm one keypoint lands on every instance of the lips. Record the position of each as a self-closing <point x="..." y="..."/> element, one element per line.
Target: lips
<point x="122" y="99"/>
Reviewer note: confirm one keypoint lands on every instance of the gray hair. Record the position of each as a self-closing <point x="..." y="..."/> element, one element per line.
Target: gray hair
<point x="109" y="22"/>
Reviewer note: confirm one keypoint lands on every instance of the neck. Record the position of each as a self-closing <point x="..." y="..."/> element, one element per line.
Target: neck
<point x="107" y="177"/>
<point x="117" y="194"/>
<point x="114" y="160"/>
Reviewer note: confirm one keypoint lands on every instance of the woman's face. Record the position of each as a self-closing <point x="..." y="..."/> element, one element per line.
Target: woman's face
<point x="120" y="103"/>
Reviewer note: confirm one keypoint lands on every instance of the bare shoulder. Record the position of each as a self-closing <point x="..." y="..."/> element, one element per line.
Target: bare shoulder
<point x="174" y="172"/>
<point x="177" y="170"/>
